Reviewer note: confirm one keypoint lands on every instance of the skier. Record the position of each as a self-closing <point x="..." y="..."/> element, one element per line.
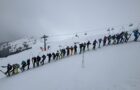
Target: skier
<point x="43" y="59"/>
<point x="100" y="40"/>
<point x="118" y="38"/>
<point x="23" y="65"/>
<point x="57" y="55"/>
<point x="28" y="64"/>
<point x="94" y="44"/>
<point x="109" y="39"/>
<point x="71" y="50"/>
<point x="114" y="39"/>
<point x="67" y="48"/>
<point x="75" y="49"/>
<point x="15" y="69"/>
<point x="121" y="37"/>
<point x="38" y="60"/>
<point x="48" y="47"/>
<point x="64" y="52"/>
<point x="53" y="55"/>
<point x="61" y="53"/>
<point x="34" y="61"/>
<point x="104" y="40"/>
<point x="9" y="68"/>
<point x="126" y="36"/>
<point x="136" y="34"/>
<point x="49" y="57"/>
<point x="84" y="47"/>
<point x="88" y="43"/>
<point x="81" y="47"/>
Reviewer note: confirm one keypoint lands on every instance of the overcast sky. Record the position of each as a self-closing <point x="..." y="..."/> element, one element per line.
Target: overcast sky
<point x="20" y="18"/>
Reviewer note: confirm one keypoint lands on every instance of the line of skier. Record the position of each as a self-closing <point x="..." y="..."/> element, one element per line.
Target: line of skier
<point x="122" y="37"/>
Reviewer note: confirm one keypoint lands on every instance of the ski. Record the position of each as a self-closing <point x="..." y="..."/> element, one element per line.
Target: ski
<point x="3" y="72"/>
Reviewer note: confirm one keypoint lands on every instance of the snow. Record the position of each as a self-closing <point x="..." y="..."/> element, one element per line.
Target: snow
<point x="114" y="67"/>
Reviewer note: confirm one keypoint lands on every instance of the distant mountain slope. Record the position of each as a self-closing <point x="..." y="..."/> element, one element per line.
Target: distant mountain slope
<point x="14" y="47"/>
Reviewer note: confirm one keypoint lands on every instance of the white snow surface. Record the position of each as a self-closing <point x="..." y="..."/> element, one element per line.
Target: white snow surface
<point x="115" y="67"/>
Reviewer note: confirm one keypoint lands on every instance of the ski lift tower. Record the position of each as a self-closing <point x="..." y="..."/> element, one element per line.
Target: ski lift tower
<point x="83" y="55"/>
<point x="45" y="39"/>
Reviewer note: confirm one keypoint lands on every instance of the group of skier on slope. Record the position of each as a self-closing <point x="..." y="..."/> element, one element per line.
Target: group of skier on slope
<point x="122" y="37"/>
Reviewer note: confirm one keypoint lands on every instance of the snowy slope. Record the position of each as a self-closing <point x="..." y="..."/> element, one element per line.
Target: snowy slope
<point x="109" y="68"/>
<point x="56" y="40"/>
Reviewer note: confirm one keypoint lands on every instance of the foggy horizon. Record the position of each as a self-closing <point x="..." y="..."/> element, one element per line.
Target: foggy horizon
<point x="21" y="18"/>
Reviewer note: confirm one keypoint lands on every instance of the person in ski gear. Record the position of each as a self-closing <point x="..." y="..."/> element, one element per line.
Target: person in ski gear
<point x="61" y="53"/>
<point x="99" y="40"/>
<point x="71" y="50"/>
<point x="118" y="38"/>
<point x="84" y="46"/>
<point x="81" y="47"/>
<point x="28" y="64"/>
<point x="9" y="68"/>
<point x="75" y="49"/>
<point x="88" y="43"/>
<point x="23" y="65"/>
<point x="43" y="59"/>
<point x="104" y="40"/>
<point x="94" y="44"/>
<point x="64" y="52"/>
<point x="57" y="55"/>
<point x="54" y="56"/>
<point x="109" y="39"/>
<point x="136" y="34"/>
<point x="126" y="36"/>
<point x="121" y="37"/>
<point x="34" y="61"/>
<point x="38" y="59"/>
<point x="114" y="39"/>
<point x="15" y="69"/>
<point x="49" y="57"/>
<point x="48" y="47"/>
<point x="67" y="48"/>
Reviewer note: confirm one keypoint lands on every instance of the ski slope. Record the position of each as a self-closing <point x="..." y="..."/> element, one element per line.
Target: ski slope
<point x="114" y="67"/>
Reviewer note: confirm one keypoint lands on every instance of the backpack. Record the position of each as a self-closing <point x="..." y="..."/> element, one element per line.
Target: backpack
<point x="23" y="63"/>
